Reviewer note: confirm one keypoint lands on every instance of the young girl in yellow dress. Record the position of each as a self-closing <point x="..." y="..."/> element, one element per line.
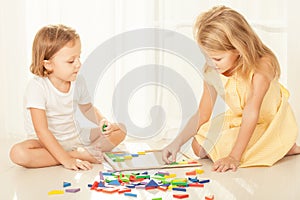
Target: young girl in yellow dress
<point x="259" y="128"/>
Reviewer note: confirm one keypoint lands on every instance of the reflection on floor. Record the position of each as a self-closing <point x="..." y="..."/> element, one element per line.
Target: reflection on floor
<point x="278" y="182"/>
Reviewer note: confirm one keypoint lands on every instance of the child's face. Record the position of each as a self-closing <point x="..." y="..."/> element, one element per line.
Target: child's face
<point x="66" y="64"/>
<point x="223" y="60"/>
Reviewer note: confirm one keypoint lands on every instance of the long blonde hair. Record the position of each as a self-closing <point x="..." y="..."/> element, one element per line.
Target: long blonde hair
<point x="223" y="29"/>
<point x="49" y="40"/>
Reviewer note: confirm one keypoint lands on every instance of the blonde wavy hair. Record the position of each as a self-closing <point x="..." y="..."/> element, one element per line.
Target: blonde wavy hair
<point x="224" y="29"/>
<point x="47" y="42"/>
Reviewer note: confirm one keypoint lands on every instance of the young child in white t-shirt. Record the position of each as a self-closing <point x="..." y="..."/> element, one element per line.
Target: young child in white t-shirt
<point x="51" y="100"/>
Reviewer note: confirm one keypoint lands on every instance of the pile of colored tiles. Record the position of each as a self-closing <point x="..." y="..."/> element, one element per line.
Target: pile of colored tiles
<point x="122" y="183"/>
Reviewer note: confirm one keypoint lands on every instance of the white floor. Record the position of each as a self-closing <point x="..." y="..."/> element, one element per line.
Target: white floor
<point x="282" y="181"/>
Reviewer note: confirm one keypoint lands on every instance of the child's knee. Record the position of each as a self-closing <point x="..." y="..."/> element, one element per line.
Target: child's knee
<point x="196" y="147"/>
<point x="121" y="134"/>
<point x="18" y="155"/>
<point x="123" y="131"/>
<point x="118" y="138"/>
<point x="14" y="152"/>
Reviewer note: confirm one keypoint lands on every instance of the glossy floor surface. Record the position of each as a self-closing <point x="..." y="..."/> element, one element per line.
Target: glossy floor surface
<point x="282" y="181"/>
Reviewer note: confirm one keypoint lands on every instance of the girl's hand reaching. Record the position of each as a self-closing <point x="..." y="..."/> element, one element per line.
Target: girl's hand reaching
<point x="225" y="164"/>
<point x="170" y="151"/>
<point x="77" y="164"/>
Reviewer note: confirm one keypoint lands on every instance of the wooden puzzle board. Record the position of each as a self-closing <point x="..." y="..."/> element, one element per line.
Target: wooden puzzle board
<point x="151" y="160"/>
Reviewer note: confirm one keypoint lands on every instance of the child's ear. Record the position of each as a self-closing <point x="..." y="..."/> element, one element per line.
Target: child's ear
<point x="47" y="65"/>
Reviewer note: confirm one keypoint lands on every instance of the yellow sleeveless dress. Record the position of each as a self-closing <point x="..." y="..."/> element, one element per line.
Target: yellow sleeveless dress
<point x="274" y="135"/>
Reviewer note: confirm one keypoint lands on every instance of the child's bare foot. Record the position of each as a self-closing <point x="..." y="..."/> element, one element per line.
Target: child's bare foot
<point x="294" y="150"/>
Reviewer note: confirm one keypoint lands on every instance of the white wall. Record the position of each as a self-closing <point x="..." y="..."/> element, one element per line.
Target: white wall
<point x="293" y="57"/>
<point x="13" y="66"/>
<point x="98" y="20"/>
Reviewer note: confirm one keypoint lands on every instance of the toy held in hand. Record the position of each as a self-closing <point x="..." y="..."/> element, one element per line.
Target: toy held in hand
<point x="103" y="127"/>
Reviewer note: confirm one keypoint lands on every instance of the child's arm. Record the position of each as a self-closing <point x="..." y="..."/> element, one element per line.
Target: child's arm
<point x="259" y="87"/>
<point x="91" y="113"/>
<point x="40" y="124"/>
<point x="203" y="114"/>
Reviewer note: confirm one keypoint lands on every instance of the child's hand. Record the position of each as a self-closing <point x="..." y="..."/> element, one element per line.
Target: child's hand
<point x="170" y="151"/>
<point x="107" y="128"/>
<point x="77" y="164"/>
<point x="225" y="164"/>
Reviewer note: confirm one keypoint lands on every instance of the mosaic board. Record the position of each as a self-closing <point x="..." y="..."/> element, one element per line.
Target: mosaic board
<point x="125" y="161"/>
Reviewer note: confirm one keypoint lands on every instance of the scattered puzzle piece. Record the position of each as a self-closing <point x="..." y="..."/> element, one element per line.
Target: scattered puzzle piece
<point x="114" y="182"/>
<point x="66" y="184"/>
<point x="199" y="171"/>
<point x="191" y="173"/>
<point x="163" y="188"/>
<point x="150" y="188"/>
<point x="110" y="190"/>
<point x="196" y="185"/>
<point x="129" y="157"/>
<point x="94" y="186"/>
<point x="194" y="180"/>
<point x="53" y="192"/>
<point x="72" y="190"/>
<point x="151" y="183"/>
<point x="170" y="176"/>
<point x="140" y="187"/>
<point x="101" y="176"/>
<point x="210" y="198"/>
<point x="183" y="162"/>
<point x="204" y="181"/>
<point x="124" y="190"/>
<point x="180" y="196"/>
<point x="130" y="194"/>
<point x="179" y="189"/>
<point x="141" y="153"/>
<point x="101" y="184"/>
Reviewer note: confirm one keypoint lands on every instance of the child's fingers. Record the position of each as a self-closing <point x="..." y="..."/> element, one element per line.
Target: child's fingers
<point x="224" y="168"/>
<point x="215" y="167"/>
<point x="174" y="156"/>
<point x="106" y="126"/>
<point x="107" y="132"/>
<point x="104" y="123"/>
<point x="87" y="165"/>
<point x="221" y="166"/>
<point x="84" y="165"/>
<point x="165" y="156"/>
<point x="75" y="168"/>
<point x="233" y="167"/>
<point x="109" y="129"/>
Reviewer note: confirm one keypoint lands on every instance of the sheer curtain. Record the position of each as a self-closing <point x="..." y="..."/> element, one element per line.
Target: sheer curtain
<point x="13" y="69"/>
<point x="99" y="20"/>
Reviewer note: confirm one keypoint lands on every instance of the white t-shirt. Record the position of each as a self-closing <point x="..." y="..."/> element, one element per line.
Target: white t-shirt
<point x="60" y="107"/>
